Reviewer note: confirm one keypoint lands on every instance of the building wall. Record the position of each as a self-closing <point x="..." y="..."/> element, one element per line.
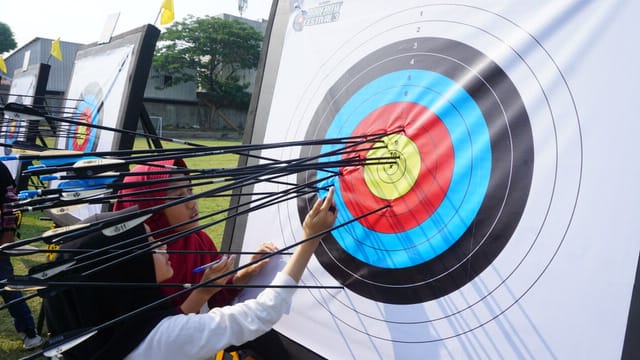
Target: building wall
<point x="194" y="116"/>
<point x="176" y="107"/>
<point x="174" y="115"/>
<point x="39" y="50"/>
<point x="157" y="90"/>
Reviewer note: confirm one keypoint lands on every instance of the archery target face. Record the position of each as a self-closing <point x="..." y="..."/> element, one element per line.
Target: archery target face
<point x="22" y="91"/>
<point x="445" y="223"/>
<point x="96" y="93"/>
<point x="88" y="110"/>
<point x="483" y="191"/>
<point x="14" y="127"/>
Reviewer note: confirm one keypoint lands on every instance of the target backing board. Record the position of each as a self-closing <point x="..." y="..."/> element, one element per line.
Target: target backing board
<point x="105" y="91"/>
<point x="507" y="229"/>
<point x="27" y="88"/>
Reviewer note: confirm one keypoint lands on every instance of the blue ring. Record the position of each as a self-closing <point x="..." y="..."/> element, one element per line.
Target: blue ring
<point x="469" y="181"/>
<point x="89" y="101"/>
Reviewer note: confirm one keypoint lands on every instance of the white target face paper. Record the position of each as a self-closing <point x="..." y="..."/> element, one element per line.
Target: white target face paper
<point x="515" y="237"/>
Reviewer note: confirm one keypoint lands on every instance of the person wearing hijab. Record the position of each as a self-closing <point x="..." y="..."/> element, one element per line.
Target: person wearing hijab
<point x="83" y="307"/>
<point x="153" y="193"/>
<point x="158" y="332"/>
<point x="199" y="242"/>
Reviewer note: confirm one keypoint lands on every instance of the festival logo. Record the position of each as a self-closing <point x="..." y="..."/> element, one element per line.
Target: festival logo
<point x="324" y="14"/>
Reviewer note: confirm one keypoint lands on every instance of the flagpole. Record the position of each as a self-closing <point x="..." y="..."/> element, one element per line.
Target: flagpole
<point x="157" y="16"/>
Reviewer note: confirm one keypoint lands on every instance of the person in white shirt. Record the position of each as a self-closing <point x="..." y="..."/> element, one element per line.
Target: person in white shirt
<point x="160" y="333"/>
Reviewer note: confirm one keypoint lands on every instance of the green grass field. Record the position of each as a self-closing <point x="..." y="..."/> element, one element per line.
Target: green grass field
<point x="33" y="225"/>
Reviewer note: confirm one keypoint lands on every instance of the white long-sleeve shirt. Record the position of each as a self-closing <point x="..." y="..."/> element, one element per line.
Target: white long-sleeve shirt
<point x="200" y="336"/>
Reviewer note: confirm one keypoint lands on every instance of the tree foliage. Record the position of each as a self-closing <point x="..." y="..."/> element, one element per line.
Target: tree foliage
<point x="7" y="41"/>
<point x="213" y="52"/>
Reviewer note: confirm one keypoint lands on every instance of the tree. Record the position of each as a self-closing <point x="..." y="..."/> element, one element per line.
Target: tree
<point x="213" y="52"/>
<point x="7" y="41"/>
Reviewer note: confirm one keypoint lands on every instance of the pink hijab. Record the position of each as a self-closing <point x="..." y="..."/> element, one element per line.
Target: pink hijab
<point x="183" y="264"/>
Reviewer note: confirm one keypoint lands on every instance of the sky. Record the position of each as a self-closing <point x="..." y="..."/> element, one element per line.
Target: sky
<point x="82" y="21"/>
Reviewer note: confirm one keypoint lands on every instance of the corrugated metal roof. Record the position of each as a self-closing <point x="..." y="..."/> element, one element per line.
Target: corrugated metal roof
<point x="39" y="50"/>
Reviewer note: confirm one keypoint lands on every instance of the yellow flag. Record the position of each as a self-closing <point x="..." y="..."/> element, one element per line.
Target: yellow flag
<point x="167" y="12"/>
<point x="3" y="66"/>
<point x="55" y="49"/>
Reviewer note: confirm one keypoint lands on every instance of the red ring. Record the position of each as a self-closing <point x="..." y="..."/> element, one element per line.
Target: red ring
<point x="431" y="137"/>
<point x="85" y="116"/>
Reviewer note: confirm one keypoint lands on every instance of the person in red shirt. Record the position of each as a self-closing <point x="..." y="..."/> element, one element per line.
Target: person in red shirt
<point x="135" y="322"/>
<point x="199" y="241"/>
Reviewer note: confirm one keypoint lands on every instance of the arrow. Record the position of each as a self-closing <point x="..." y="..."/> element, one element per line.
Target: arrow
<point x="202" y="284"/>
<point x="34" y="114"/>
<point x="124" y="254"/>
<point x="84" y="194"/>
<point x="40" y="170"/>
<point x="56" y="350"/>
<point x="246" y="181"/>
<point x="79" y="338"/>
<point x="31" y="251"/>
<point x="24" y="282"/>
<point x="281" y="196"/>
<point x="104" y="179"/>
<point x="49" y="270"/>
<point x="58" y="155"/>
<point x="122" y="227"/>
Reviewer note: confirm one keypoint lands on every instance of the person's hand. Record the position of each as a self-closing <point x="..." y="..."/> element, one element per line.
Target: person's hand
<point x="245" y="275"/>
<point x="225" y="265"/>
<point x="321" y="217"/>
